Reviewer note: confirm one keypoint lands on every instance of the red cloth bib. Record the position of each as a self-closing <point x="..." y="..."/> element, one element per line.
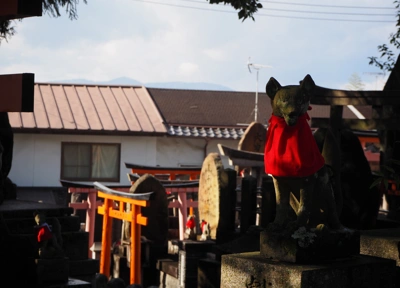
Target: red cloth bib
<point x="291" y="151"/>
<point x="44" y="233"/>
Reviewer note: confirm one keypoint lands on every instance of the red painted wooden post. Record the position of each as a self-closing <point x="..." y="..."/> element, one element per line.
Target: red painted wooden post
<point x="106" y="239"/>
<point x="90" y="218"/>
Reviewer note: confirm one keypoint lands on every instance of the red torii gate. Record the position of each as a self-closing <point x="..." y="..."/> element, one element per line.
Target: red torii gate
<point x="134" y="216"/>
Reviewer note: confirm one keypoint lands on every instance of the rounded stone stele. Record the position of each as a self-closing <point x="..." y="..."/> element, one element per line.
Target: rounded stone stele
<point x="212" y="178"/>
<point x="157" y="213"/>
<point x="253" y="139"/>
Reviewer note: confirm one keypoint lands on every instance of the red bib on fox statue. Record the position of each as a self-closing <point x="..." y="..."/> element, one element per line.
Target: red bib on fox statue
<point x="291" y="151"/>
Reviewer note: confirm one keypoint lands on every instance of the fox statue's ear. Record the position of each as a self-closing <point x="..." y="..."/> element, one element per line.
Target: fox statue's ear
<point x="272" y="87"/>
<point x="307" y="85"/>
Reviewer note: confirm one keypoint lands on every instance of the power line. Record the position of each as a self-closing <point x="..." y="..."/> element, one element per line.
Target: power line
<point x="305" y="11"/>
<point x="328" y="6"/>
<point x="264" y="15"/>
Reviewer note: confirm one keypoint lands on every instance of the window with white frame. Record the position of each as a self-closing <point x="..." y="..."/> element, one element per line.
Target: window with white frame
<point x="90" y="161"/>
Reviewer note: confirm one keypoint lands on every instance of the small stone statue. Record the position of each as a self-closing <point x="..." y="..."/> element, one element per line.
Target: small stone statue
<point x="48" y="237"/>
<point x="205" y="230"/>
<point x="190" y="232"/>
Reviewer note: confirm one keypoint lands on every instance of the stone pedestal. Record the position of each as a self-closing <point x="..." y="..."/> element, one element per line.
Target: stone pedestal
<point x="253" y="270"/>
<point x="308" y="246"/>
<point x="168" y="272"/>
<point x="189" y="255"/>
<point x="384" y="243"/>
<point x="208" y="273"/>
<point x="52" y="270"/>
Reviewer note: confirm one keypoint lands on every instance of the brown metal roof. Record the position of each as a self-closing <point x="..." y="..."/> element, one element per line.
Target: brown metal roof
<point x="90" y="108"/>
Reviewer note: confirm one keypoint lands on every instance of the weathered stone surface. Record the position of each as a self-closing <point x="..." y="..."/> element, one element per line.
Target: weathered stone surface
<point x="157" y="213"/>
<point x="208" y="273"/>
<point x="212" y="179"/>
<point x="120" y="267"/>
<point x="189" y="255"/>
<point x="217" y="196"/>
<point x="167" y="280"/>
<point x="247" y="242"/>
<point x="384" y="243"/>
<point x="253" y="138"/>
<point x="306" y="246"/>
<point x="168" y="266"/>
<point x="253" y="270"/>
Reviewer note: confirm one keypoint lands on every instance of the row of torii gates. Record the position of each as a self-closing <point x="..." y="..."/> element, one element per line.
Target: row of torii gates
<point x="114" y="205"/>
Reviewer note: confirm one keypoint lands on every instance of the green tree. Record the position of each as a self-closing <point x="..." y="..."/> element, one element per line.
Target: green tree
<point x="246" y="8"/>
<point x="387" y="58"/>
<point x="51" y="7"/>
<point x="355" y="83"/>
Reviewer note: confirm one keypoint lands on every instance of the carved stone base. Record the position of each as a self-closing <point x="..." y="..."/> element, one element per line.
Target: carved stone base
<point x="253" y="270"/>
<point x="308" y="246"/>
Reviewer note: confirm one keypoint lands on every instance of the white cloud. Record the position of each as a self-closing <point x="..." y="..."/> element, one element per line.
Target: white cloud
<point x="156" y="43"/>
<point x="215" y="54"/>
<point x="188" y="69"/>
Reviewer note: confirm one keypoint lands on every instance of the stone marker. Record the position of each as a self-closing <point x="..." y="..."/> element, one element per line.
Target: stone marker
<point x="253" y="270"/>
<point x="253" y="138"/>
<point x="217" y="196"/>
<point x="157" y="213"/>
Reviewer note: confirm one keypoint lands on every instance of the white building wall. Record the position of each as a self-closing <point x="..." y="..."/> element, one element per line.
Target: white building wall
<point x="37" y="157"/>
<point x="174" y="151"/>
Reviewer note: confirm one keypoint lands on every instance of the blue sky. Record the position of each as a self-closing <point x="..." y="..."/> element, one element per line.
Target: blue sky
<point x="162" y="43"/>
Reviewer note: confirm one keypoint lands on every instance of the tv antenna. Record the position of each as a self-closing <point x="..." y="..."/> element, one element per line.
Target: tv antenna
<point x="256" y="67"/>
<point x="377" y="74"/>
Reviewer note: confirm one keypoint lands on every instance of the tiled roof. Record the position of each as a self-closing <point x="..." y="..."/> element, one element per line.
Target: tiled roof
<point x="209" y="108"/>
<point x="90" y="108"/>
<point x="222" y="108"/>
<point x="210" y="132"/>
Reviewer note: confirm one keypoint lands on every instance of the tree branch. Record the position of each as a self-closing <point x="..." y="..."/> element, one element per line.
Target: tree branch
<point x="52" y="7"/>
<point x="247" y="7"/>
<point x="387" y="58"/>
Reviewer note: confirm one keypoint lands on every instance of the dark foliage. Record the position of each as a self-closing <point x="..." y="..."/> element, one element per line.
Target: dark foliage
<point x="387" y="58"/>
<point x="51" y="7"/>
<point x="246" y="8"/>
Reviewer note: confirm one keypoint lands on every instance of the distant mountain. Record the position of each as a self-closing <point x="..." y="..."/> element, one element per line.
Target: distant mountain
<point x="133" y="82"/>
<point x="116" y="81"/>
<point x="188" y="86"/>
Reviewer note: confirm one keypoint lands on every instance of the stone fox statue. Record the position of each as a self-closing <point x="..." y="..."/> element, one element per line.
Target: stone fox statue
<point x="294" y="161"/>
